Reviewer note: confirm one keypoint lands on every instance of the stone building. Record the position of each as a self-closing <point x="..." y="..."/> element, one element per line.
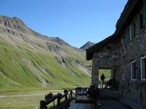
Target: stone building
<point x="124" y="53"/>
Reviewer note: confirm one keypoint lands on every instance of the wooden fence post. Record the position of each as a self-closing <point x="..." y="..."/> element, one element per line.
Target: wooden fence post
<point x="58" y="99"/>
<point x="71" y="94"/>
<point x="43" y="104"/>
<point x="65" y="93"/>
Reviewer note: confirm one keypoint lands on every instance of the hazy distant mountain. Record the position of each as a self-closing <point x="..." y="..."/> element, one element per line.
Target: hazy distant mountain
<point x="87" y="45"/>
<point x="29" y="59"/>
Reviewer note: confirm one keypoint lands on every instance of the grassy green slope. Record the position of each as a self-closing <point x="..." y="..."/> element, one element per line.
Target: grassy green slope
<point x="26" y="69"/>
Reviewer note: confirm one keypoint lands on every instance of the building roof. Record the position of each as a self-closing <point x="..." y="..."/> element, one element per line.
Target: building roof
<point x="131" y="8"/>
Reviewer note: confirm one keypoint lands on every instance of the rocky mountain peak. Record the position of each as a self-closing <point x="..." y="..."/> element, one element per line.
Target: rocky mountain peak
<point x="14" y="23"/>
<point x="87" y="45"/>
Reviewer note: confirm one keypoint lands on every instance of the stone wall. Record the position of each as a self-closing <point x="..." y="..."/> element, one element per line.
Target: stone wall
<point x="107" y="56"/>
<point x="133" y="50"/>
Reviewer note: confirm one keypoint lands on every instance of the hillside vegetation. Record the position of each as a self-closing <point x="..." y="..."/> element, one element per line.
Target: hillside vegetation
<point x="31" y="61"/>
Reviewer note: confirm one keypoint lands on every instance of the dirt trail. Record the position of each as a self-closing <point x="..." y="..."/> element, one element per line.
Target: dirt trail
<point x="20" y="95"/>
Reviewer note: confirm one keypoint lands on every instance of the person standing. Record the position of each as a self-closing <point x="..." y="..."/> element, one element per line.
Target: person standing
<point x="102" y="77"/>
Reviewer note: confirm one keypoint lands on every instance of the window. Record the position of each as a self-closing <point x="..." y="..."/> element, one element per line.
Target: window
<point x="133" y="70"/>
<point x="141" y="21"/>
<point x="127" y="35"/>
<point x="133" y="31"/>
<point x="130" y="33"/>
<point x="143" y="68"/>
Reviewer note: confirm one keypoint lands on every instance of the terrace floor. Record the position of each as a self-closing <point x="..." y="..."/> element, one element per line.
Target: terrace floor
<point x="108" y="100"/>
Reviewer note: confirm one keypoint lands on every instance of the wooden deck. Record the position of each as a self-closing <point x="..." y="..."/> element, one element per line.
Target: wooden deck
<point x="82" y="106"/>
<point x="82" y="101"/>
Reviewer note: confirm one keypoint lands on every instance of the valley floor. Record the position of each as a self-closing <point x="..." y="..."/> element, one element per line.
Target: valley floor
<point x="23" y="100"/>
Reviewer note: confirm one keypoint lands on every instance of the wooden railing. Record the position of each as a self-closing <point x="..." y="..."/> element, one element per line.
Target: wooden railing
<point x="67" y="96"/>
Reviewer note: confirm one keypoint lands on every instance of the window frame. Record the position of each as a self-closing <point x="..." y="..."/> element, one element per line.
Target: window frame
<point x="143" y="70"/>
<point x="133" y="70"/>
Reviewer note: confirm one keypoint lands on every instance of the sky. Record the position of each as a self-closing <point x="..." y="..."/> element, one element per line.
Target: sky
<point x="74" y="21"/>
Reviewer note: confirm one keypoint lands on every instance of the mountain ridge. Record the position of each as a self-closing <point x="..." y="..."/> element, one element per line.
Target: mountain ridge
<point x="19" y="25"/>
